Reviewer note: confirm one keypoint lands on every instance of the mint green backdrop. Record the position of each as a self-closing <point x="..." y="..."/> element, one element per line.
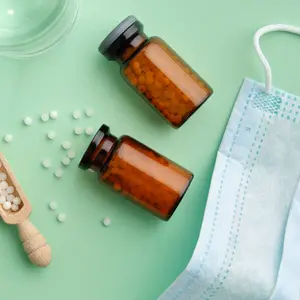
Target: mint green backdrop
<point x="138" y="256"/>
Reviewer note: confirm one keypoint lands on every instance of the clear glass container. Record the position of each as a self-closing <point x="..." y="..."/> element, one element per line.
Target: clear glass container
<point x="138" y="172"/>
<point x="30" y="27"/>
<point x="156" y="72"/>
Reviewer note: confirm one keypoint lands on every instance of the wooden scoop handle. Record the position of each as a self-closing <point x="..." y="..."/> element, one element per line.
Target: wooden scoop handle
<point x="34" y="244"/>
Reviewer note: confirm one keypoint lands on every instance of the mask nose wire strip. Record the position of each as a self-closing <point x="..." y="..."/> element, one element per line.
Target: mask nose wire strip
<point x="259" y="33"/>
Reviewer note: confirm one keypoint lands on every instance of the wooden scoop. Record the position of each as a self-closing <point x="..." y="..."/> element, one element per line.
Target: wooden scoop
<point x="35" y="245"/>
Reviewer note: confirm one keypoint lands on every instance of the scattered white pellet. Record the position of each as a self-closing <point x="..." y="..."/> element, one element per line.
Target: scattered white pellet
<point x="66" y="145"/>
<point x="3" y="176"/>
<point x="61" y="218"/>
<point x="10" y="198"/>
<point x="106" y="222"/>
<point x="66" y="161"/>
<point x="53" y="205"/>
<point x="53" y="114"/>
<point x="7" y="205"/>
<point x="45" y="117"/>
<point x="27" y="121"/>
<point x="89" y="112"/>
<point x="14" y="207"/>
<point x="51" y="135"/>
<point x="76" y="114"/>
<point x="2" y="199"/>
<point x="59" y="173"/>
<point x="3" y="185"/>
<point x="46" y="163"/>
<point x="89" y="131"/>
<point x="78" y="130"/>
<point x="8" y="138"/>
<point x="17" y="201"/>
<point x="71" y="154"/>
<point x="10" y="189"/>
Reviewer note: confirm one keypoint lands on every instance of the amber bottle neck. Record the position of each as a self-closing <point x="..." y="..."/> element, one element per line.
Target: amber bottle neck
<point x="131" y="47"/>
<point x="103" y="152"/>
<point x="124" y="41"/>
<point x="99" y="151"/>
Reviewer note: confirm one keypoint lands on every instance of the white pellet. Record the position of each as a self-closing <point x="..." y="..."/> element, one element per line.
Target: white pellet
<point x="46" y="163"/>
<point x="76" y="114"/>
<point x="71" y="154"/>
<point x="66" y="161"/>
<point x="3" y="185"/>
<point x="17" y="201"/>
<point x="91" y="170"/>
<point x="27" y="121"/>
<point x="89" y="131"/>
<point x="14" y="207"/>
<point x="51" y="135"/>
<point x="7" y="205"/>
<point x="10" y="189"/>
<point x="66" y="145"/>
<point x="53" y="114"/>
<point x="106" y="222"/>
<point x="89" y="112"/>
<point x="8" y="138"/>
<point x="10" y="198"/>
<point x="53" y="205"/>
<point x="45" y="117"/>
<point x="4" y="193"/>
<point x="61" y="218"/>
<point x="2" y="199"/>
<point x="59" y="173"/>
<point x="78" y="130"/>
<point x="3" y="176"/>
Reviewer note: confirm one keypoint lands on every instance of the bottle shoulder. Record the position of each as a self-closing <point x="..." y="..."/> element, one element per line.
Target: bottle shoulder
<point x="125" y="138"/>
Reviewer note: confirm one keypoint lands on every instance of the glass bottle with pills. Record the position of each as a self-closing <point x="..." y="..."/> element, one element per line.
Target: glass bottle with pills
<point x="137" y="172"/>
<point x="156" y="72"/>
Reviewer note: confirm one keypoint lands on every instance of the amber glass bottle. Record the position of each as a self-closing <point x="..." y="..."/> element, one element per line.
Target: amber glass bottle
<point x="138" y="172"/>
<point x="156" y="72"/>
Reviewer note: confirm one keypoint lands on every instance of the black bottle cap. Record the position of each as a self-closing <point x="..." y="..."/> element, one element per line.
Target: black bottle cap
<point x="87" y="158"/>
<point x="119" y="37"/>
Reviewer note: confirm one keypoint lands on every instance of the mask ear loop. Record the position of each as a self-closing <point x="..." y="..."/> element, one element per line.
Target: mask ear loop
<point x="262" y="31"/>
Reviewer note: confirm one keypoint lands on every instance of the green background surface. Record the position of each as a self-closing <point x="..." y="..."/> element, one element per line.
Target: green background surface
<point x="138" y="256"/>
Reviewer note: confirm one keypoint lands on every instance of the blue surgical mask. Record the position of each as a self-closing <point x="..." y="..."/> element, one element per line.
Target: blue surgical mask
<point x="249" y="245"/>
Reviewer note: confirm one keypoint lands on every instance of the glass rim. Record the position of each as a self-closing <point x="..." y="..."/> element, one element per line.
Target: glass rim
<point x="44" y="37"/>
